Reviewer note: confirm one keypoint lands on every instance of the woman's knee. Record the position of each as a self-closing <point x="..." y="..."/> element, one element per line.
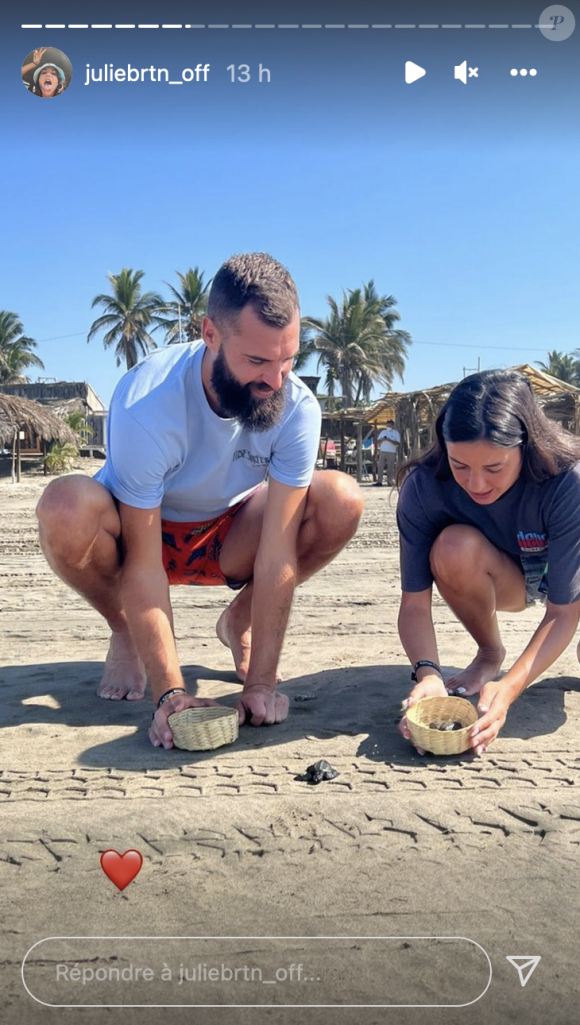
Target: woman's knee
<point x="455" y="552"/>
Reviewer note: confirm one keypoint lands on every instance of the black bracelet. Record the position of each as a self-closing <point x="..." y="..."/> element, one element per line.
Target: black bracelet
<point x="424" y="662"/>
<point x="168" y="693"/>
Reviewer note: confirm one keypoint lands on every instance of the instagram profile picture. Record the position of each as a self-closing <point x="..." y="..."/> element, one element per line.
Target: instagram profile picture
<point x="46" y="72"/>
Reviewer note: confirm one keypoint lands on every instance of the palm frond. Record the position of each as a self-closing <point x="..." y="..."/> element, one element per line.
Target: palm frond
<point x="357" y="344"/>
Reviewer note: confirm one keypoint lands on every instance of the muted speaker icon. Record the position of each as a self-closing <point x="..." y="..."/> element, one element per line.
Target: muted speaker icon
<point x="461" y="72"/>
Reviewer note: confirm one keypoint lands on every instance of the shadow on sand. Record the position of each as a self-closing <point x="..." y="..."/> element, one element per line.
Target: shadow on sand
<point x="360" y="702"/>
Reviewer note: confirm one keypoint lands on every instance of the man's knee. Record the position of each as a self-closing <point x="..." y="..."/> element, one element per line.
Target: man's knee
<point x="456" y="551"/>
<point x="69" y="513"/>
<point x="338" y="504"/>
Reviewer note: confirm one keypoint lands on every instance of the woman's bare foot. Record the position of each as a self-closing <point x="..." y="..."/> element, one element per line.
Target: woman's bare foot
<point x="485" y="667"/>
<point x="233" y="631"/>
<point x="124" y="675"/>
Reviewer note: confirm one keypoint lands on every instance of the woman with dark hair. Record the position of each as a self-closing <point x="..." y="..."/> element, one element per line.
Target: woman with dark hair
<point x="480" y="514"/>
<point x="48" y="80"/>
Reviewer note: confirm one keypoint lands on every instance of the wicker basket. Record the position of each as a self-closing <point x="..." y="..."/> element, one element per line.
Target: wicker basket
<point x="441" y="710"/>
<point x="204" y="728"/>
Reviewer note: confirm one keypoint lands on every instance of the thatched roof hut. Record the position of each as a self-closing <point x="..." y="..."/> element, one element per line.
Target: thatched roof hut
<point x="415" y="412"/>
<point x="64" y="398"/>
<point x="25" y="415"/>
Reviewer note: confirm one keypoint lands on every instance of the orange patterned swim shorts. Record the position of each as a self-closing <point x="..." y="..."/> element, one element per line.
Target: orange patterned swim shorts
<point x="191" y="551"/>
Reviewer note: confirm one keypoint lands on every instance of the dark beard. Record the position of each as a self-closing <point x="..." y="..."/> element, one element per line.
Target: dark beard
<point x="236" y="400"/>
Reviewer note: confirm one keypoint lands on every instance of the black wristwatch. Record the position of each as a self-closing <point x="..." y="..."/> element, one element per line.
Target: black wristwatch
<point x="424" y="662"/>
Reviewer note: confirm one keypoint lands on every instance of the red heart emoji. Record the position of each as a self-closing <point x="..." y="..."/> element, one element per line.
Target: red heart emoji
<point x="121" y="868"/>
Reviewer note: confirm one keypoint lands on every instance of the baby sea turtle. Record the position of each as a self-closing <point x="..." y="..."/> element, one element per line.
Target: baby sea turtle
<point x="446" y="727"/>
<point x="318" y="772"/>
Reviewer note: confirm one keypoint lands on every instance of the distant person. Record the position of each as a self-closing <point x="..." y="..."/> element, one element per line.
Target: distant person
<point x="209" y="479"/>
<point x="329" y="453"/>
<point x="388" y="440"/>
<point x="48" y="80"/>
<point x="491" y="515"/>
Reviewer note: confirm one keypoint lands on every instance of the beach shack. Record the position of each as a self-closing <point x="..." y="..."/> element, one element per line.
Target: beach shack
<point x="24" y="422"/>
<point x="63" y="398"/>
<point x="415" y="414"/>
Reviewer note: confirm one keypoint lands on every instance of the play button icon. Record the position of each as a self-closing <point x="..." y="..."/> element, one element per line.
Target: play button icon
<point x="413" y="72"/>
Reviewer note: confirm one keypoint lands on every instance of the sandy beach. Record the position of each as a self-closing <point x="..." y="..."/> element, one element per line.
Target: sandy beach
<point x="234" y="845"/>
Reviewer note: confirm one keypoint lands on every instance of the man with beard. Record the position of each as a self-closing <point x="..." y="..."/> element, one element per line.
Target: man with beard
<point x="209" y="479"/>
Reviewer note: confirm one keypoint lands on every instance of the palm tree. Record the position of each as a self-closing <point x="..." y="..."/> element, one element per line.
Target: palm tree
<point x="128" y="314"/>
<point x="561" y="365"/>
<point x="358" y="343"/>
<point x="307" y="347"/>
<point x="15" y="350"/>
<point x="77" y="422"/>
<point x="60" y="457"/>
<point x="188" y="306"/>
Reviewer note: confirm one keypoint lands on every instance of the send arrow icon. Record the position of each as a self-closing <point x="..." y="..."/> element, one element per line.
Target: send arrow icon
<point x="413" y="72"/>
<point x="526" y="965"/>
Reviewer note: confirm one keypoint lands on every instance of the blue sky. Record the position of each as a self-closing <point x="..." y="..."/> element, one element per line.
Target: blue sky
<point x="460" y="200"/>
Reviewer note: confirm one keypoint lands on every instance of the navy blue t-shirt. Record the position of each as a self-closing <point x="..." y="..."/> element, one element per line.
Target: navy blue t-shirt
<point x="533" y="523"/>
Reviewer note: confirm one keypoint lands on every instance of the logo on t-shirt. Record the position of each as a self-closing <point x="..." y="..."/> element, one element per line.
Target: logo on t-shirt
<point x="255" y="460"/>
<point x="532" y="542"/>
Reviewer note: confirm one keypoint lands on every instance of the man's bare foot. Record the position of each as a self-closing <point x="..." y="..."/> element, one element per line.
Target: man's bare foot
<point x="232" y="630"/>
<point x="485" y="667"/>
<point x="124" y="675"/>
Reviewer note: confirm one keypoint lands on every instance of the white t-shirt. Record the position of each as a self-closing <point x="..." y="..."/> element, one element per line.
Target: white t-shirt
<point x="386" y="438"/>
<point x="166" y="446"/>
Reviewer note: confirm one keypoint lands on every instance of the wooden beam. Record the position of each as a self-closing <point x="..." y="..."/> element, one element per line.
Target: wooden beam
<point x="359" y="451"/>
<point x="342" y="447"/>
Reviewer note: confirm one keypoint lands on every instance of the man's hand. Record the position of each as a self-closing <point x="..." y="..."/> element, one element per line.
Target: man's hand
<point x="428" y="687"/>
<point x="261" y="706"/>
<point x="160" y="733"/>
<point x="494" y="702"/>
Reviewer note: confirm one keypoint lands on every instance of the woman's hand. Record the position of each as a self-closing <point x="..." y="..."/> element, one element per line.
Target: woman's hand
<point x="38" y="55"/>
<point x="431" y="686"/>
<point x="493" y="706"/>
